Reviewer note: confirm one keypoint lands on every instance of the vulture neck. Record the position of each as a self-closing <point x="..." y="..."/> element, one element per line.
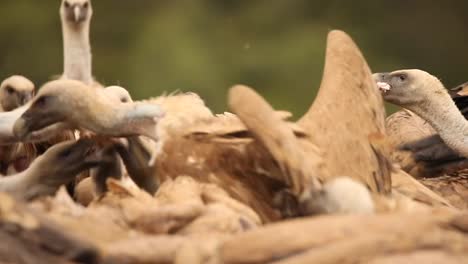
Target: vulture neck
<point x="17" y="184"/>
<point x="7" y="120"/>
<point x="77" y="52"/>
<point x="442" y="113"/>
<point x="108" y="118"/>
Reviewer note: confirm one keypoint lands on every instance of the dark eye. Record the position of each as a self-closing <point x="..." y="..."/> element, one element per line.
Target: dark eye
<point x="64" y="154"/>
<point x="402" y="77"/>
<point x="85" y="5"/>
<point x="10" y="90"/>
<point x="66" y="4"/>
<point x="123" y="100"/>
<point x="41" y="101"/>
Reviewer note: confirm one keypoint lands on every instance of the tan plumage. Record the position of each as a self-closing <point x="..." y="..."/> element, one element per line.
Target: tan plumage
<point x="452" y="187"/>
<point x="345" y="113"/>
<point x="426" y="96"/>
<point x="76" y="17"/>
<point x="221" y="175"/>
<point x="255" y="155"/>
<point x="85" y="107"/>
<point x="405" y="127"/>
<point x="15" y="91"/>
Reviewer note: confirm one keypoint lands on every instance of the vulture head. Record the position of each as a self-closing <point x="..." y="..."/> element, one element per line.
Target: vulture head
<point x="408" y="88"/>
<point x="76" y="12"/>
<point x="81" y="106"/>
<point x="15" y="91"/>
<point x="119" y="93"/>
<point x="459" y="91"/>
<point x="60" y="164"/>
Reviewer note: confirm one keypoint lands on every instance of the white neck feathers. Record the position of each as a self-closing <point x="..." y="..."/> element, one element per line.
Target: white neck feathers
<point x="442" y="113"/>
<point x="77" y="53"/>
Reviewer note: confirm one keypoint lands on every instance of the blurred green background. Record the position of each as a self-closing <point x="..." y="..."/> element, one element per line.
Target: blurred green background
<point x="206" y="46"/>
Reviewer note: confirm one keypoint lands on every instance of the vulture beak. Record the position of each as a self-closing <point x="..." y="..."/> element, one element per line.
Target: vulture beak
<point x="459" y="91"/>
<point x="20" y="129"/>
<point x="83" y="154"/>
<point x="30" y="122"/>
<point x="24" y="98"/>
<point x="77" y="13"/>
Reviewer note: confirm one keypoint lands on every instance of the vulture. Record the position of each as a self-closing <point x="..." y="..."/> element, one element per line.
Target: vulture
<point x="82" y="106"/>
<point x="57" y="166"/>
<point x="15" y="91"/>
<point x="276" y="167"/>
<point x="114" y="94"/>
<point x="217" y="178"/>
<point x="76" y="21"/>
<point x="75" y="18"/>
<point x="424" y="95"/>
<point x="430" y="156"/>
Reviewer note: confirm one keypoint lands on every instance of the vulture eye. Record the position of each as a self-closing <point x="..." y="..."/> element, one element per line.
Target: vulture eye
<point x="41" y="101"/>
<point x="66" y="153"/>
<point x="66" y="4"/>
<point x="10" y="90"/>
<point x="402" y="77"/>
<point x="85" y="5"/>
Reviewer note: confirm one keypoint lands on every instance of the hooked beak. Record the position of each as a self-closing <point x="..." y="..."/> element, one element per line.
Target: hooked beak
<point x="459" y="91"/>
<point x="77" y="13"/>
<point x="24" y="98"/>
<point x="20" y="128"/>
<point x="381" y="79"/>
<point x="31" y="121"/>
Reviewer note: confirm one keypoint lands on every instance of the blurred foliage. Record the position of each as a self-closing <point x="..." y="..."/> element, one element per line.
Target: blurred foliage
<point x="206" y="46"/>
